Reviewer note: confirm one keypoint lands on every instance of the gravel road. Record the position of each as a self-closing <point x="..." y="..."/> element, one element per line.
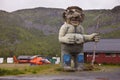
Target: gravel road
<point x="84" y="75"/>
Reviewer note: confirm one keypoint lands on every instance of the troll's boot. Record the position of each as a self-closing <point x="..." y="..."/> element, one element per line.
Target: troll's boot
<point x="80" y="62"/>
<point x="67" y="62"/>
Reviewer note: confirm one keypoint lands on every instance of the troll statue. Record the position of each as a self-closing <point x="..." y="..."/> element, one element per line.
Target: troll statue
<point x="72" y="38"/>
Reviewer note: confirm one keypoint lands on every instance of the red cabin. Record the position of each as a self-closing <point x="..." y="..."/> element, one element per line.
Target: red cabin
<point x="107" y="51"/>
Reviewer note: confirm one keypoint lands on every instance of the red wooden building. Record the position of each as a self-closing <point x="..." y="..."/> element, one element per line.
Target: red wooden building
<point x="107" y="51"/>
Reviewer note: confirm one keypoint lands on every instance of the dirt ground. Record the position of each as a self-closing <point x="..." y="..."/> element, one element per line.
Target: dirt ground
<point x="105" y="74"/>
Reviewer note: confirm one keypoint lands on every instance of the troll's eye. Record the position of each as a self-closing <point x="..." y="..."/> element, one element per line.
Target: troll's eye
<point x="71" y="12"/>
<point x="78" y="11"/>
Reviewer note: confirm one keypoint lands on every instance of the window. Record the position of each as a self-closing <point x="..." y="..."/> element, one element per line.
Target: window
<point x="107" y="55"/>
<point x="91" y="54"/>
<point x="118" y="54"/>
<point x="113" y="54"/>
<point x="96" y="54"/>
<point x="110" y="54"/>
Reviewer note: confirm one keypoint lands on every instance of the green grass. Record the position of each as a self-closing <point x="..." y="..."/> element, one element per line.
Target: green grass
<point x="18" y="69"/>
<point x="48" y="69"/>
<point x="10" y="72"/>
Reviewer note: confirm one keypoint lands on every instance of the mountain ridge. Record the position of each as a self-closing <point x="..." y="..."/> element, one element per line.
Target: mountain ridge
<point x="35" y="31"/>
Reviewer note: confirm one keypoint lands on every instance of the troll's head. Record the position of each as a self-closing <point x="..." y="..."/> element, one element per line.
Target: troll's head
<point x="73" y="15"/>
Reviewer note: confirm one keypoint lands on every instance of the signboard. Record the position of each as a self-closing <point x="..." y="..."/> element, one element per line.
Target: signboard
<point x="9" y="60"/>
<point x="1" y="60"/>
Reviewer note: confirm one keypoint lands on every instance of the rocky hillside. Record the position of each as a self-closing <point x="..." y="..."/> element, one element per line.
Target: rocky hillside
<point x="47" y="20"/>
<point x="33" y="31"/>
<point x="108" y="22"/>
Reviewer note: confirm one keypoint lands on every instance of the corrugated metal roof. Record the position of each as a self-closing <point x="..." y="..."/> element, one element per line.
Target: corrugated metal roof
<point x="104" y="45"/>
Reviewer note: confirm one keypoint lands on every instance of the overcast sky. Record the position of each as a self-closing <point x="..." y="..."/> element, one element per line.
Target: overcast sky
<point x="12" y="5"/>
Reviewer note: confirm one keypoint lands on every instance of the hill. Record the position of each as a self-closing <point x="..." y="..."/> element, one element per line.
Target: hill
<point x="108" y="26"/>
<point x="35" y="31"/>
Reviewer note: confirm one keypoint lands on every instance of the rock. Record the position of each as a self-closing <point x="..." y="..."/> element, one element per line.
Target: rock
<point x="116" y="9"/>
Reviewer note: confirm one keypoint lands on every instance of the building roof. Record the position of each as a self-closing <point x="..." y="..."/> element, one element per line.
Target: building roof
<point x="104" y="45"/>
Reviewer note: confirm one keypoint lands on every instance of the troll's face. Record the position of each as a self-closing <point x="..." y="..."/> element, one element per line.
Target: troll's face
<point x="73" y="15"/>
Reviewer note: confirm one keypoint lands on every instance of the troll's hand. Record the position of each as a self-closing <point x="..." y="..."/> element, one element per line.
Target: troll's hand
<point x="95" y="37"/>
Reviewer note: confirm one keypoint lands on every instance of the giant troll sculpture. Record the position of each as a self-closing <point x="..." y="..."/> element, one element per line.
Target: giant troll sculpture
<point x="72" y="38"/>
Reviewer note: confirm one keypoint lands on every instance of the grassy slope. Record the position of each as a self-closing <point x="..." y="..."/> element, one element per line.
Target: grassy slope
<point x="109" y="25"/>
<point x="19" y="38"/>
